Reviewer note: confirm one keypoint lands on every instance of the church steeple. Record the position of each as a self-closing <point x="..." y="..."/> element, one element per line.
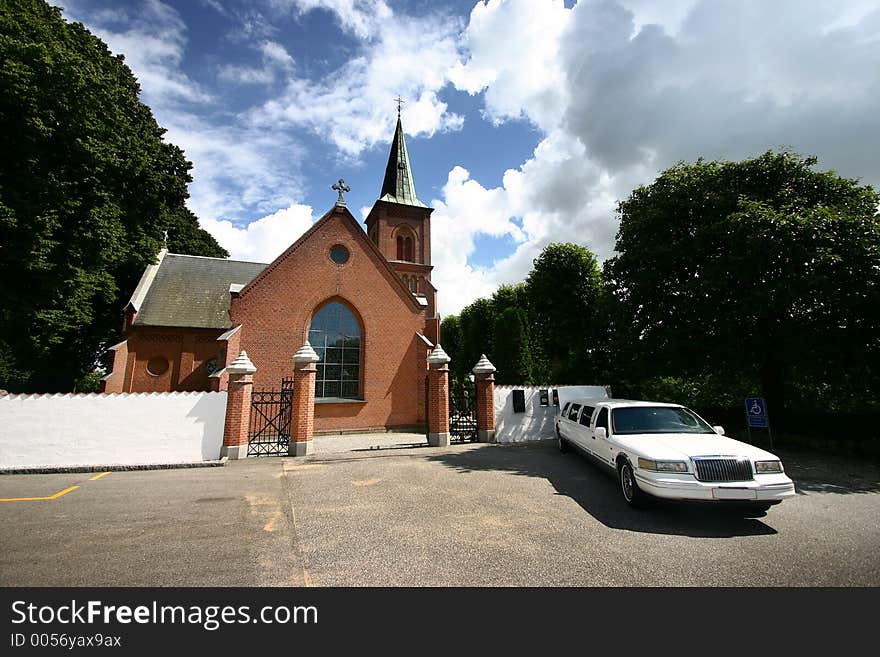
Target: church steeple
<point x="399" y="186"/>
<point x="400" y="226"/>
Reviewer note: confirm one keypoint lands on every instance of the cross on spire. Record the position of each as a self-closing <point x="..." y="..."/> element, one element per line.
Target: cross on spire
<point x="400" y="101"/>
<point x="340" y="187"/>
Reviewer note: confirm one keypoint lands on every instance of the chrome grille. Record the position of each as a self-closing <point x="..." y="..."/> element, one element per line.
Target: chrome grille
<point x="723" y="469"/>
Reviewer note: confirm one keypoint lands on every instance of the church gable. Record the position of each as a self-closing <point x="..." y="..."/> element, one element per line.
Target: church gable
<point x="310" y="260"/>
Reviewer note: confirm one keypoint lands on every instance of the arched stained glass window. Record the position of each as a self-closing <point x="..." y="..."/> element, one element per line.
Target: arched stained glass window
<point x="335" y="336"/>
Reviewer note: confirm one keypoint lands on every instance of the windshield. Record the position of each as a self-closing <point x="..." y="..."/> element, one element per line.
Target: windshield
<point x="656" y="419"/>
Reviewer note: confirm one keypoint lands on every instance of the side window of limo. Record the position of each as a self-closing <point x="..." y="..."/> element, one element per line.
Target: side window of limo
<point x="586" y="415"/>
<point x="573" y="412"/>
<point x="602" y="419"/>
<point x="564" y="411"/>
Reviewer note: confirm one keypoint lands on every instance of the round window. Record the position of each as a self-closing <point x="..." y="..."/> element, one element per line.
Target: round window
<point x="157" y="366"/>
<point x="339" y="254"/>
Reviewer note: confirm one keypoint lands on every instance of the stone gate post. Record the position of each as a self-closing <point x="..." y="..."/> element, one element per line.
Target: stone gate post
<point x="438" y="398"/>
<point x="238" y="407"/>
<point x="484" y="378"/>
<point x="302" y="421"/>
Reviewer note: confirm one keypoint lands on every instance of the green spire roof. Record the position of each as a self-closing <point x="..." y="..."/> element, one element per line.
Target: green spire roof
<point x="399" y="186"/>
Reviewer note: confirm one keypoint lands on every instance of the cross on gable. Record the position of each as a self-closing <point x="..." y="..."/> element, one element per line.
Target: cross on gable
<point x="340" y="187"/>
<point x="400" y="101"/>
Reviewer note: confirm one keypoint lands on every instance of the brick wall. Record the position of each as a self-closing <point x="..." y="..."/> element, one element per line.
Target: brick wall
<point x="302" y="424"/>
<point x="114" y="382"/>
<point x="238" y="410"/>
<point x="186" y="351"/>
<point x="438" y="400"/>
<point x="485" y="390"/>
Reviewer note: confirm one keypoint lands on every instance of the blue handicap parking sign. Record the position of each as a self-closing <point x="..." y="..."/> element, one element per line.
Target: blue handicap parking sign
<point x="756" y="412"/>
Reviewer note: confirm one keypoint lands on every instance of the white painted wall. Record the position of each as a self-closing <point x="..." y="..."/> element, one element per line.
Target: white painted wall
<point x="538" y="422"/>
<point x="118" y="429"/>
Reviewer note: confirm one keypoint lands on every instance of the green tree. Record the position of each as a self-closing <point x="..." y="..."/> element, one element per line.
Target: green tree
<point x="512" y="356"/>
<point x="450" y="338"/>
<point x="87" y="188"/>
<point x="510" y="296"/>
<point x="763" y="267"/>
<point x="564" y="291"/>
<point x="477" y="333"/>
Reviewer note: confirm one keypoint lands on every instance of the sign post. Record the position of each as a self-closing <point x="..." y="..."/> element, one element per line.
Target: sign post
<point x="756" y="416"/>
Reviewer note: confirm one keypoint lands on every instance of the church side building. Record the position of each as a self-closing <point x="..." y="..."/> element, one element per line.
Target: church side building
<point x="363" y="299"/>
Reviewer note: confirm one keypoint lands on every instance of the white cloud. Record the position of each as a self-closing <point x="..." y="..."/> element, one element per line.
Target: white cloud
<point x="738" y="78"/>
<point x="468" y="208"/>
<point x="238" y="169"/>
<point x="363" y="18"/>
<point x="276" y="54"/>
<point x="265" y="239"/>
<point x="152" y="36"/>
<point x="513" y="48"/>
<point x="408" y="55"/>
<point x="556" y="195"/>
<point x="246" y="74"/>
<point x="669" y="14"/>
<point x="216" y="5"/>
<point x="618" y="91"/>
<point x="628" y="88"/>
<point x="276" y="61"/>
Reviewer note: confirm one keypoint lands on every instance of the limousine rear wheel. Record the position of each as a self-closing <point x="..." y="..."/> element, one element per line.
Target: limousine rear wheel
<point x="632" y="495"/>
<point x="563" y="444"/>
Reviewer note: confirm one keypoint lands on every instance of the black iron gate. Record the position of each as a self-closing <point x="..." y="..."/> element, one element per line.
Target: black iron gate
<point x="271" y="413"/>
<point x="463" y="412"/>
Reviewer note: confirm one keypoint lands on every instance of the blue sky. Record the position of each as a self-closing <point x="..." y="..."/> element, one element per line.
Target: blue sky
<point x="526" y="120"/>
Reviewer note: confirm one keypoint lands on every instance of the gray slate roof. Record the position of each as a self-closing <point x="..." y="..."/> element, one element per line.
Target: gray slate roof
<point x="193" y="292"/>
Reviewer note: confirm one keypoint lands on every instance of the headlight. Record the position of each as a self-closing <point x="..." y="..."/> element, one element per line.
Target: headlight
<point x="766" y="467"/>
<point x="663" y="466"/>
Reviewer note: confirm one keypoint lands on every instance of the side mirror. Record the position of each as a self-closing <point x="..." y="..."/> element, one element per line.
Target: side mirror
<point x="719" y="430"/>
<point x="601" y="433"/>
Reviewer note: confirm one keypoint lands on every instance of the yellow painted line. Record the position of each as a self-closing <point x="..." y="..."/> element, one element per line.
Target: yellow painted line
<point x="98" y="476"/>
<point x="40" y="499"/>
<point x="63" y="492"/>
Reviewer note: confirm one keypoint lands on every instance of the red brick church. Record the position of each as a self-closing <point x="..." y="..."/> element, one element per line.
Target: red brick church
<point x="363" y="300"/>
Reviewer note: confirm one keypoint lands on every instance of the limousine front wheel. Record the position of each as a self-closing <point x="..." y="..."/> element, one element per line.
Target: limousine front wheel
<point x="628" y="486"/>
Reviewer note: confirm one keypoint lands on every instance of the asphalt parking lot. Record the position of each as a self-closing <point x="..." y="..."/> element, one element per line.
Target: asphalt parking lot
<point x="467" y="515"/>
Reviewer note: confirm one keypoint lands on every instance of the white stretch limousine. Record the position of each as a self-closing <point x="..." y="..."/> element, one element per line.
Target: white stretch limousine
<point x="668" y="451"/>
